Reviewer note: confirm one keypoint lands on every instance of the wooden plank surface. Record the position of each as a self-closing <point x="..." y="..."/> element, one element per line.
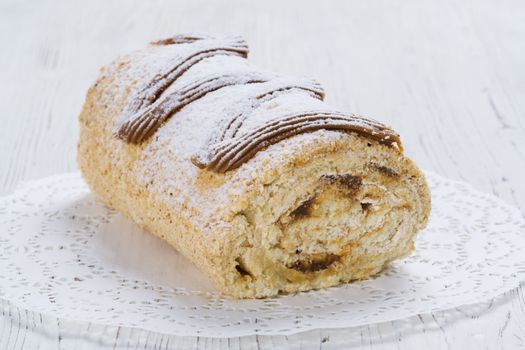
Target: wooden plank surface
<point x="448" y="75"/>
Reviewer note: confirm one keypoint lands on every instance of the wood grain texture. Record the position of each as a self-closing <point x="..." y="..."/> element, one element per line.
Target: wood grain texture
<point x="448" y="75"/>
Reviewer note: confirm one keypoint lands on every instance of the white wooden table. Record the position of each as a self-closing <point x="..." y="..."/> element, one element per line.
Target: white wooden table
<point x="448" y="75"/>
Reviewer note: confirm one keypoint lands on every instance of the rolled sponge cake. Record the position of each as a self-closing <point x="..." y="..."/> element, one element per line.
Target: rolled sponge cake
<point x="250" y="175"/>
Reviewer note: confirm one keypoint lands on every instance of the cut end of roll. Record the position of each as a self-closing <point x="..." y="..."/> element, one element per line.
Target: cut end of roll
<point x="338" y="218"/>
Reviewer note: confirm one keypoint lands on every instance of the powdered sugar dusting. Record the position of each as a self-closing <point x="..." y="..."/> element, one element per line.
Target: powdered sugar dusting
<point x="194" y="127"/>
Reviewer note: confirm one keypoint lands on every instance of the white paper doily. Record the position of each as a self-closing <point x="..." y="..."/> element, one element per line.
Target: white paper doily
<point x="64" y="253"/>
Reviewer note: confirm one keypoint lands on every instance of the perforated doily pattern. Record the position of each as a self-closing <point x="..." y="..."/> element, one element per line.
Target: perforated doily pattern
<point x="62" y="252"/>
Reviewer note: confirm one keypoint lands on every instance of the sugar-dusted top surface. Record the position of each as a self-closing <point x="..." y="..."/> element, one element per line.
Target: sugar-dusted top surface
<point x="165" y="165"/>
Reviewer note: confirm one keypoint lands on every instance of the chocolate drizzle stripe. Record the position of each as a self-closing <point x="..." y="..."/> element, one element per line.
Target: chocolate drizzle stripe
<point x="152" y="91"/>
<point x="276" y="123"/>
<point x="315" y="93"/>
<point x="230" y="155"/>
<point x="254" y="147"/>
<point x="139" y="127"/>
<point x="180" y="39"/>
<point x="314" y="88"/>
<point x="188" y="39"/>
<point x="235" y="123"/>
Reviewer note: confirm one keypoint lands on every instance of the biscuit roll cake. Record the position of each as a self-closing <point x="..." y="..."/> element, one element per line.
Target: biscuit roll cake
<point x="248" y="173"/>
